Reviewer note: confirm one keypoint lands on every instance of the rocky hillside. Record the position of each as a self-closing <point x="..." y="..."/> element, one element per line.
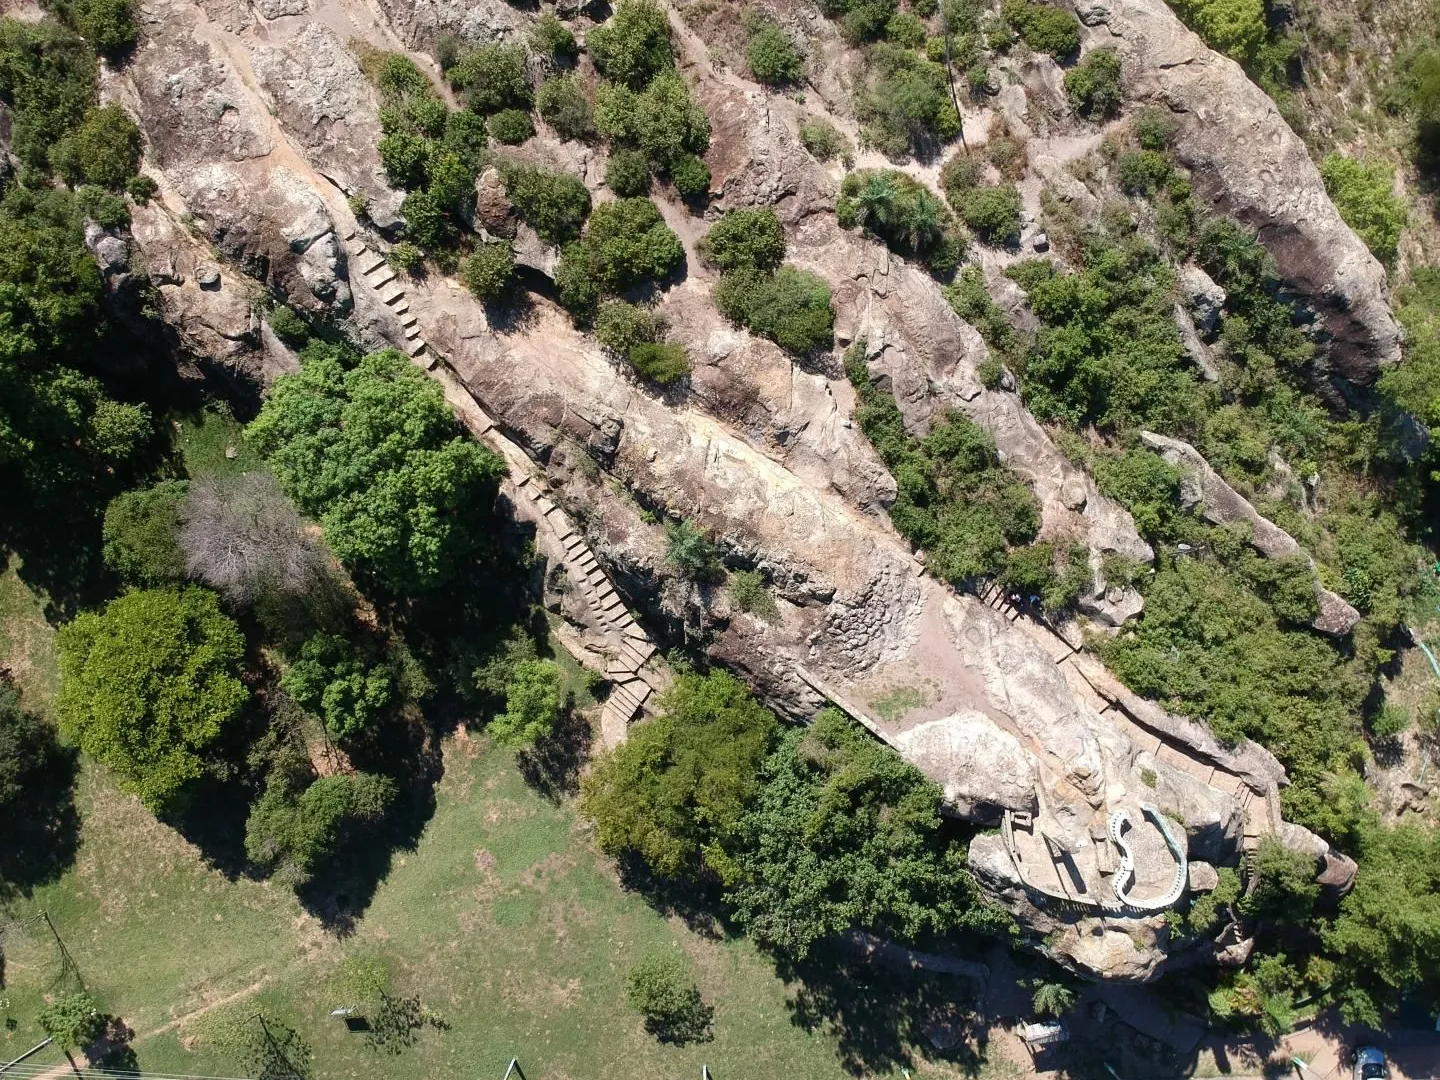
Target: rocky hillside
<point x="266" y="127"/>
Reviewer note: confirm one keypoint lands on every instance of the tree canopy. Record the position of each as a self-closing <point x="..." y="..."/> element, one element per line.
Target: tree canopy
<point x="374" y="453"/>
<point x="149" y="685"/>
<point x="676" y="791"/>
<point x="844" y="834"/>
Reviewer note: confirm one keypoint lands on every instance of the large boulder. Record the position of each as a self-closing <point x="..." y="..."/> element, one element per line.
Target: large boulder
<point x="981" y="768"/>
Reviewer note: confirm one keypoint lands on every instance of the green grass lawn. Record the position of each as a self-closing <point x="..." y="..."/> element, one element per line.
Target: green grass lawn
<point x="504" y="920"/>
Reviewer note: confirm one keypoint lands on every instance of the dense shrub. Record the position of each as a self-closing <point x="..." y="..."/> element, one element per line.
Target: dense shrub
<point x="1109" y="353"/>
<point x="823" y="140"/>
<point x="47" y="78"/>
<point x="954" y="499"/>
<point x="1142" y="172"/>
<point x="633" y="46"/>
<point x="847" y="836"/>
<point x="1043" y="27"/>
<point x="404" y="158"/>
<point x="554" y="204"/>
<point x="1094" y="85"/>
<point x="1363" y="193"/>
<point x="405" y="257"/>
<point x="691" y="176"/>
<point x="660" y="989"/>
<point x="905" y="103"/>
<point x="375" y="454"/>
<point x="492" y="77"/>
<point x="426" y="221"/>
<point x="141" y="188"/>
<point x="489" y="270"/>
<point x="745" y="240"/>
<point x="675" y="793"/>
<point x="332" y="679"/>
<point x="749" y="594"/>
<point x="620" y="326"/>
<point x="466" y="137"/>
<point x="993" y="213"/>
<point x="903" y="213"/>
<point x="771" y="55"/>
<point x="564" y="105"/>
<point x="661" y="120"/>
<point x="1154" y="129"/>
<point x="791" y="307"/>
<point x="550" y="35"/>
<point x="1414" y="385"/>
<point x="140" y="534"/>
<point x="149" y="685"/>
<point x="971" y="300"/>
<point x="71" y="1021"/>
<point x="104" y="149"/>
<point x="627" y="173"/>
<point x="511" y="127"/>
<point x="626" y="241"/>
<point x="299" y="820"/>
<point x="660" y="361"/>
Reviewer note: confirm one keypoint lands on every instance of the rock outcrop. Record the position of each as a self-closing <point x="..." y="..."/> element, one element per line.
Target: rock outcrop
<point x="1203" y="489"/>
<point x="1247" y="163"/>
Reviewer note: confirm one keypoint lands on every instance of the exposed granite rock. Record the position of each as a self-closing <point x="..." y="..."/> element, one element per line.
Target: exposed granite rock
<point x="1247" y="163"/>
<point x="493" y="211"/>
<point x="1335" y="871"/>
<point x="1214" y="825"/>
<point x="982" y="768"/>
<point x="329" y="107"/>
<point x="420" y="22"/>
<point x="1202" y="486"/>
<point x="1204" y="299"/>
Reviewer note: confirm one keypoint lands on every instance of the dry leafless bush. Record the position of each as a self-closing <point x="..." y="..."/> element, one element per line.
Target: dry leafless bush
<point x="241" y="536"/>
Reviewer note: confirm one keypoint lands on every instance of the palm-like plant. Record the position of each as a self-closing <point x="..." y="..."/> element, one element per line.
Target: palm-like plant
<point x="876" y="202"/>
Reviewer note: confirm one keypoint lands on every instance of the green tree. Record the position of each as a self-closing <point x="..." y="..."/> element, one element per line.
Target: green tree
<point x="1385" y="941"/>
<point x="289" y="327"/>
<point x="771" y="55"/>
<point x="108" y="25"/>
<point x="48" y="79"/>
<point x="149" y="686"/>
<point x="633" y="46"/>
<point x="1236" y="28"/>
<point x="492" y="77"/>
<point x="823" y="140"/>
<point x="745" y="240"/>
<point x="1363" y="192"/>
<point x="298" y="821"/>
<point x="625" y="242"/>
<point x="332" y="679"/>
<point x="72" y="1020"/>
<point x="846" y="835"/>
<point x="532" y="704"/>
<point x="691" y="176"/>
<point x="661" y="362"/>
<point x="1052" y="999"/>
<point x="374" y="453"/>
<point x="675" y="792"/>
<point x="564" y="105"/>
<point x="1095" y="85"/>
<point x="661" y="989"/>
<point x="489" y="271"/>
<point x="662" y="120"/>
<point x="1285" y="886"/>
<point x="140" y="533"/>
<point x="103" y="149"/>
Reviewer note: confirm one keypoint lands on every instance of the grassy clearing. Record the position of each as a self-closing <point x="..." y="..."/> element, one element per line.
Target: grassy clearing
<point x="205" y="438"/>
<point x="27" y="640"/>
<point x="504" y="920"/>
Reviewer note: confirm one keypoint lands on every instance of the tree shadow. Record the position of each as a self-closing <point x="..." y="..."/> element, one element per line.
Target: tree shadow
<point x="696" y="903"/>
<point x="345" y="880"/>
<point x="42" y="829"/>
<point x="878" y="1014"/>
<point x="552" y="766"/>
